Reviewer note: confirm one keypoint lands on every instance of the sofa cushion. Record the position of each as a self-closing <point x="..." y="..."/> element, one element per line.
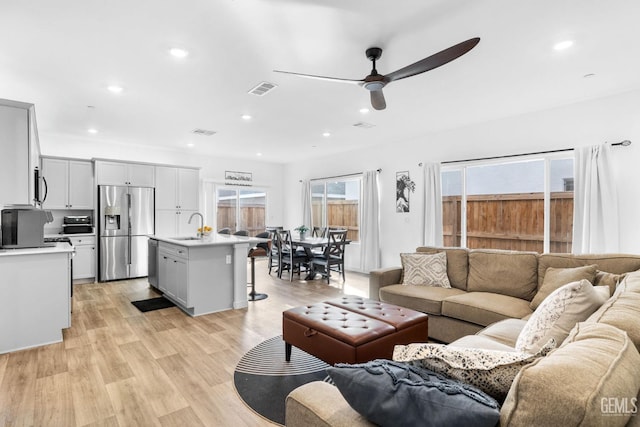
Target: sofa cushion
<point x="385" y="392"/>
<point x="505" y="331"/>
<point x="612" y="263"/>
<point x="559" y="313"/>
<point x="490" y="370"/>
<point x="427" y="299"/>
<point x="425" y="269"/>
<point x="557" y="277"/>
<point x="480" y="341"/>
<point x="457" y="264"/>
<point x="484" y="308"/>
<point x="622" y="310"/>
<point x="568" y="387"/>
<point x="512" y="273"/>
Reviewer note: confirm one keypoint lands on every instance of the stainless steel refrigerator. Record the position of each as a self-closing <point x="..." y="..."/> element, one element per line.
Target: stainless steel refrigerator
<point x="126" y="219"/>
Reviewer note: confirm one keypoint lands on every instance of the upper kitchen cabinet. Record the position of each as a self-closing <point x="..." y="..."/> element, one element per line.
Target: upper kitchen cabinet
<point x="177" y="188"/>
<point x="121" y="173"/>
<point x="69" y="183"/>
<point x="20" y="152"/>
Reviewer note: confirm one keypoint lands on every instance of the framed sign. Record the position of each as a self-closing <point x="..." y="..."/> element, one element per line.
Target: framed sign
<point x="240" y="177"/>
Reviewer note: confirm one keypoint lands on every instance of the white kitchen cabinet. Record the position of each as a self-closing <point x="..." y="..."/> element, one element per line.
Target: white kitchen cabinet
<point x="84" y="262"/>
<point x="177" y="188"/>
<point x="172" y="223"/>
<point x="69" y="183"/>
<point x="177" y="191"/>
<point x="121" y="173"/>
<point x="173" y="277"/>
<point x="19" y="150"/>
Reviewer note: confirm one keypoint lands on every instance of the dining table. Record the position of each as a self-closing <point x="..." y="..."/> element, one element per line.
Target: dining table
<point x="309" y="244"/>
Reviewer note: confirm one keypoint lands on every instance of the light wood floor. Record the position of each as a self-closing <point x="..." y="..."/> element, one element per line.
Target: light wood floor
<point x="120" y="367"/>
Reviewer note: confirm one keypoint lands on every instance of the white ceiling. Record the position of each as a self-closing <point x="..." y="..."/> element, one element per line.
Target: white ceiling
<point x="61" y="55"/>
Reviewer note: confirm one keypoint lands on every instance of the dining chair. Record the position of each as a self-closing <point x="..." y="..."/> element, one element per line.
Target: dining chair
<point x="319" y="232"/>
<point x="332" y="259"/>
<point x="275" y="253"/>
<point x="241" y="233"/>
<point x="291" y="259"/>
<point x="224" y="231"/>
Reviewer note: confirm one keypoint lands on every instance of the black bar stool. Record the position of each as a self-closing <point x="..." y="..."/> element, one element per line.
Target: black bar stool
<point x="254" y="253"/>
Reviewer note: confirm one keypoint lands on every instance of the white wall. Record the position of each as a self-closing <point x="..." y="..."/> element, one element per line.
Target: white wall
<point x="611" y="119"/>
<point x="265" y="175"/>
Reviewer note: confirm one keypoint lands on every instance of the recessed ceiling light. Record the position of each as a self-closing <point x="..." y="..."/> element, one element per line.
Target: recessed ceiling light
<point x="563" y="45"/>
<point x="92" y="130"/>
<point x="326" y="134"/>
<point x="364" y="110"/>
<point x="114" y="89"/>
<point x="178" y="53"/>
<point x="246" y="117"/>
<point x="258" y="154"/>
<point x="191" y="144"/>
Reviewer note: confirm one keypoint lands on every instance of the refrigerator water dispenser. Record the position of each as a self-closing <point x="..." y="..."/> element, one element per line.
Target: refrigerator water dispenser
<point x="112" y="217"/>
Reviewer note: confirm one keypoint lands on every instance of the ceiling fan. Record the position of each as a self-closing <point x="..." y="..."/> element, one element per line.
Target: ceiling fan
<point x="374" y="82"/>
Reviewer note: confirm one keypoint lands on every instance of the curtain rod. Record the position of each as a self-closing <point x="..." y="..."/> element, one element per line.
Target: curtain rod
<point x="342" y="176"/>
<point x="624" y="143"/>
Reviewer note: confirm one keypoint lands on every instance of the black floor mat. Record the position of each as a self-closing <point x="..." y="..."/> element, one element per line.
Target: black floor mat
<point x="152" y="304"/>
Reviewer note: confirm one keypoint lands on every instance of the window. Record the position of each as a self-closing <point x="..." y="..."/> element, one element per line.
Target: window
<point x="336" y="204"/>
<point x="241" y="209"/>
<point x="518" y="205"/>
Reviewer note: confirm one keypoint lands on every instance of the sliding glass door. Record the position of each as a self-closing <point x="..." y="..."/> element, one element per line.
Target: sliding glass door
<point x="241" y="209"/>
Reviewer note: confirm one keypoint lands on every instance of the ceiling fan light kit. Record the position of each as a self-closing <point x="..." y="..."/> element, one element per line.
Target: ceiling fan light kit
<point x="374" y="82"/>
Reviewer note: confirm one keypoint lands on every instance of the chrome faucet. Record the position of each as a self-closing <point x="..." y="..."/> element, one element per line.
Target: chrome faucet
<point x="201" y="232"/>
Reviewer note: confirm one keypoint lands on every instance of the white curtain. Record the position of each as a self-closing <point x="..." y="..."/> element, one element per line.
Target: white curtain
<point x="370" y="227"/>
<point x="306" y="203"/>
<point x="432" y="227"/>
<point x="595" y="213"/>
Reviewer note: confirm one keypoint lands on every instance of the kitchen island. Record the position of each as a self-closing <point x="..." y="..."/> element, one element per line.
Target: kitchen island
<point x="204" y="275"/>
<point x="35" y="290"/>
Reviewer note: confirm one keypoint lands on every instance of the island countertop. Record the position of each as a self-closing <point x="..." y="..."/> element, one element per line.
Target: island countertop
<point x="211" y="240"/>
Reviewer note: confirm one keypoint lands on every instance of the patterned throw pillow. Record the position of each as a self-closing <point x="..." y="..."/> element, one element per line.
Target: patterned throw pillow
<point x="492" y="371"/>
<point x="559" y="313"/>
<point x="425" y="269"/>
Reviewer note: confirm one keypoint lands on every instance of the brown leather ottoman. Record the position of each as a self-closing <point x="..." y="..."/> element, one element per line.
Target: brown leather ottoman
<point x="351" y="329"/>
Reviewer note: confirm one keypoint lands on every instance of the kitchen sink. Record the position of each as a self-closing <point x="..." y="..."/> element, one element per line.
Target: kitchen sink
<point x="186" y="238"/>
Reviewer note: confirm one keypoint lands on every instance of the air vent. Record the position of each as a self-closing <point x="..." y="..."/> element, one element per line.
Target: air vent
<point x="262" y="88"/>
<point x="363" y="125"/>
<point x="203" y="132"/>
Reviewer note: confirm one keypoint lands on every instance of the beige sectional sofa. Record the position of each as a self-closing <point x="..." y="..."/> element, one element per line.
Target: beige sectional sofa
<point x="486" y="286"/>
<point x="592" y="378"/>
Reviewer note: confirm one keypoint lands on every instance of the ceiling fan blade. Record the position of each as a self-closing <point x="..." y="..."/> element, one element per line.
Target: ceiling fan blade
<point x="433" y="61"/>
<point x="377" y="100"/>
<point x="329" y="79"/>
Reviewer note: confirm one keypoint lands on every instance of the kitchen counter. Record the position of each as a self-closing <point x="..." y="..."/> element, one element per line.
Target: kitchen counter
<point x="211" y="240"/>
<point x="204" y="275"/>
<point x="35" y="296"/>
<point x="53" y="248"/>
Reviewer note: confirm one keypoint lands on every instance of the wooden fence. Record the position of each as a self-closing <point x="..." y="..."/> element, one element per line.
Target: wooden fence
<point x="510" y="221"/>
<point x="340" y="214"/>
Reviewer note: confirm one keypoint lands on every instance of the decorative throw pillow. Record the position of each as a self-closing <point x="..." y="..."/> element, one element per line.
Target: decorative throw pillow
<point x="559" y="313"/>
<point x="389" y="393"/>
<point x="608" y="279"/>
<point x="492" y="371"/>
<point x="425" y="269"/>
<point x="556" y="277"/>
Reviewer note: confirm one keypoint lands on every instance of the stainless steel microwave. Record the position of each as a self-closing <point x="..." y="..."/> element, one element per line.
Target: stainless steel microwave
<point x="24" y="227"/>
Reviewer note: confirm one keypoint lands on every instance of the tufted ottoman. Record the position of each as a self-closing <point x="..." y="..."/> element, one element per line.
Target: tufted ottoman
<point x="351" y="329"/>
